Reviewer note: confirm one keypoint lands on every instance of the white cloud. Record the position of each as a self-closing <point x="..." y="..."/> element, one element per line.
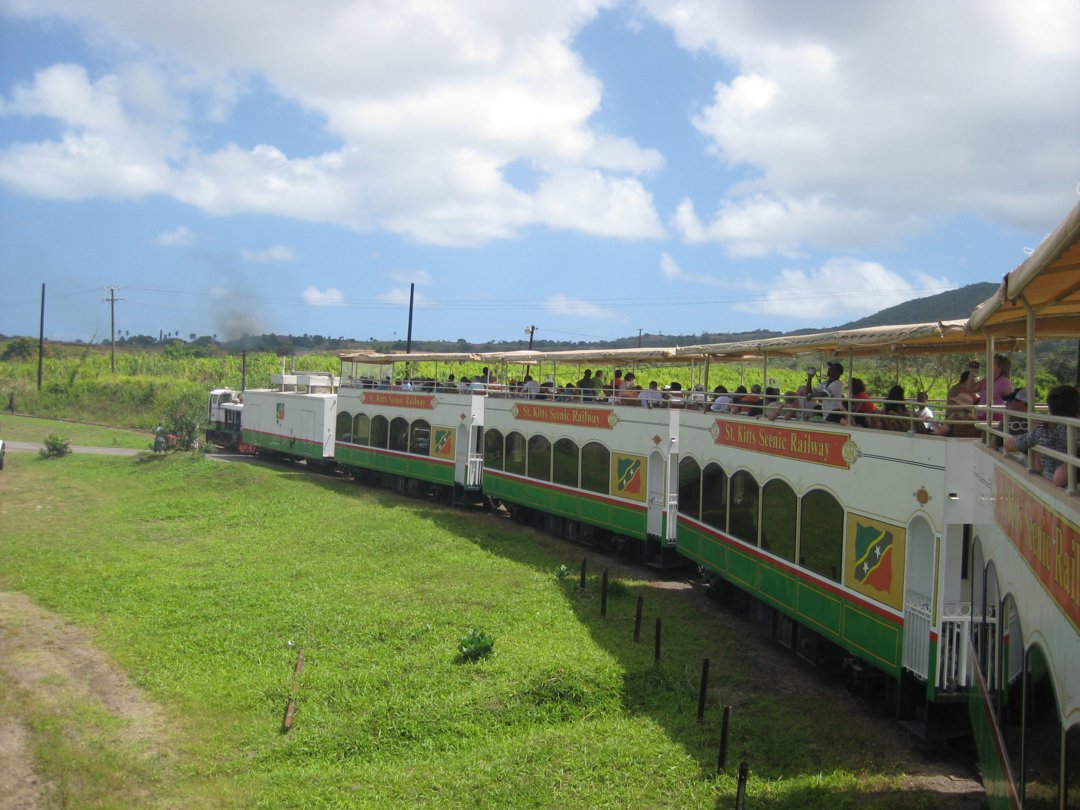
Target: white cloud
<point x="840" y="289"/>
<point x="181" y="236"/>
<point x="856" y="120"/>
<point x="429" y="103"/>
<point x="671" y="271"/>
<point x="330" y="297"/>
<point x="278" y="253"/>
<point x="575" y="307"/>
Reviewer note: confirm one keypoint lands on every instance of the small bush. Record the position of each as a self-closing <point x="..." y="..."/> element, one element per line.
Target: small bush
<point x="475" y="644"/>
<point x="563" y="573"/>
<point x="55" y="447"/>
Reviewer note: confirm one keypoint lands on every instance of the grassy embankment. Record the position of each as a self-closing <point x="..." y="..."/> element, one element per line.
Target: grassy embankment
<point x="204" y="579"/>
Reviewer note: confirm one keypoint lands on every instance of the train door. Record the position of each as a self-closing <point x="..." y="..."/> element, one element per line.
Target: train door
<point x="656" y="494"/>
<point x="920" y="568"/>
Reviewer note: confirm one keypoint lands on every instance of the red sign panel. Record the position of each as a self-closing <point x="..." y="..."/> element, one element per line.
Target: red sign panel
<point x="1049" y="543"/>
<point x="814" y="446"/>
<point x="561" y="415"/>
<point x="398" y="400"/>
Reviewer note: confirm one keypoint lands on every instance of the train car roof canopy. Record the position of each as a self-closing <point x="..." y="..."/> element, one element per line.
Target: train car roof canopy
<point x="1048" y="282"/>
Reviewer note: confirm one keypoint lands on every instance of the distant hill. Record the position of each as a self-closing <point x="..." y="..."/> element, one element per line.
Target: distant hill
<point x="947" y="306"/>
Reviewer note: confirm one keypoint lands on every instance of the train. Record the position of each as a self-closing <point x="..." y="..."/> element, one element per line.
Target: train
<point x="939" y="566"/>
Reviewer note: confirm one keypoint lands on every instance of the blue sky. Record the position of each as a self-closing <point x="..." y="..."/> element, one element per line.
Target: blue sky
<point x="590" y="167"/>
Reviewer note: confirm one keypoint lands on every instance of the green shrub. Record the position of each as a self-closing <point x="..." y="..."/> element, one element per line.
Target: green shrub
<point x="475" y="644"/>
<point x="55" y="447"/>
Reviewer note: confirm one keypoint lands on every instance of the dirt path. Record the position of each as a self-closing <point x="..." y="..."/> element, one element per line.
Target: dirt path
<point x="51" y="670"/>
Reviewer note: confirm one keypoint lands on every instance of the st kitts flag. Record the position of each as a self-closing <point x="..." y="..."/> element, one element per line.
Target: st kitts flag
<point x="873" y="557"/>
<point x="628" y="476"/>
<point x="874" y="563"/>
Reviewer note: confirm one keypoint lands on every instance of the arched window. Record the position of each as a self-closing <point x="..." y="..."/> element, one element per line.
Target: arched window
<point x="343" y="430"/>
<point x="689" y="488"/>
<point x="361" y="429"/>
<point x="566" y="463"/>
<point x="744" y="507"/>
<point x="595" y="467"/>
<point x="399" y="434"/>
<point x="539" y="458"/>
<point x="380" y="431"/>
<point x="821" y="534"/>
<point x="420" y="438"/>
<point x="1042" y="735"/>
<point x="778" y="518"/>
<point x="493" y="449"/>
<point x="714" y="495"/>
<point x="515" y="453"/>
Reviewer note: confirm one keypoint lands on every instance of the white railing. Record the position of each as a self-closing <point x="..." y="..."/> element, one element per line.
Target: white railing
<point x="958" y="623"/>
<point x="917" y="619"/>
<point x="474" y="474"/>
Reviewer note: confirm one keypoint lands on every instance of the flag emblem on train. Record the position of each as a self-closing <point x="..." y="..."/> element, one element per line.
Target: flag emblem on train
<point x="442" y="442"/>
<point x="875" y="559"/>
<point x="628" y="476"/>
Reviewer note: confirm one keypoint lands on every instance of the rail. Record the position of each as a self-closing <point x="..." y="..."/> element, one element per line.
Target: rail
<point x="959" y="622"/>
<point x="474" y="474"/>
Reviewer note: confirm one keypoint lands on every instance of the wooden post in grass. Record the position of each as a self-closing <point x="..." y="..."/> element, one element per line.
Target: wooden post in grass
<point x="725" y="733"/>
<point x="637" y="619"/>
<point x="290" y="707"/>
<point x="603" y="595"/>
<point x="657" y="646"/>
<point x="584" y="562"/>
<point x="740" y="789"/>
<point x="703" y="690"/>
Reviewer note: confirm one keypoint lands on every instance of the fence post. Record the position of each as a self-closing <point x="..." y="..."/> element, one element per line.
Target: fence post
<point x="584" y="562"/>
<point x="657" y="649"/>
<point x="637" y="619"/>
<point x="603" y="595"/>
<point x="703" y="690"/>
<point x="725" y="731"/>
<point x="740" y="790"/>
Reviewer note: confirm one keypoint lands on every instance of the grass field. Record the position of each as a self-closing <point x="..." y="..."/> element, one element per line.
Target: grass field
<point x="20" y="428"/>
<point x="203" y="580"/>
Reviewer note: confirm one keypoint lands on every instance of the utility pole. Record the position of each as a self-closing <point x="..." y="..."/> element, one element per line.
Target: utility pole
<point x="41" y="339"/>
<point x="639" y="331"/>
<point x="111" y="301"/>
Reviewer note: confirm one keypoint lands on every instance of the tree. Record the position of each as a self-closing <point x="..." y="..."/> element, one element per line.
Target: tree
<point x="20" y="349"/>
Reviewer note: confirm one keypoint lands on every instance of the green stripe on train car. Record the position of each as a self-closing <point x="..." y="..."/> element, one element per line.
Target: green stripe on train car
<point x="283" y="444"/>
<point x="873" y="637"/>
<point x="416" y="467"/>
<point x="574" y="505"/>
<point x="820" y="609"/>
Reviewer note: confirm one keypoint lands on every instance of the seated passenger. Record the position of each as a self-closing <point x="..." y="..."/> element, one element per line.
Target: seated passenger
<point x="959" y="418"/>
<point x="924" y="413"/>
<point x="674" y="396"/>
<point x="1017" y="402"/>
<point x="530" y="389"/>
<point x="651" y="396"/>
<point x="722" y="402"/>
<point x="736" y="400"/>
<point x="629" y="390"/>
<point x="1063" y="400"/>
<point x="895" y="414"/>
<point x="753" y="404"/>
<point x="830" y="392"/>
<point x="862" y="408"/>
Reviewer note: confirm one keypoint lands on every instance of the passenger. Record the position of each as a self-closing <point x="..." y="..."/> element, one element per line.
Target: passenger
<point x="773" y="405"/>
<point x="547" y="390"/>
<point x="959" y="418"/>
<point x="651" y="396"/>
<point x="675" y="396"/>
<point x="586" y="386"/>
<point x="1001" y="384"/>
<point x="530" y="389"/>
<point x="617" y="380"/>
<point x="737" y="399"/>
<point x="924" y="413"/>
<point x="753" y="404"/>
<point x="629" y="391"/>
<point x="1063" y="400"/>
<point x="793" y="404"/>
<point x="863" y="411"/>
<point x="1017" y="402"/>
<point x="829" y="393"/>
<point x="722" y="401"/>
<point x="895" y="414"/>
